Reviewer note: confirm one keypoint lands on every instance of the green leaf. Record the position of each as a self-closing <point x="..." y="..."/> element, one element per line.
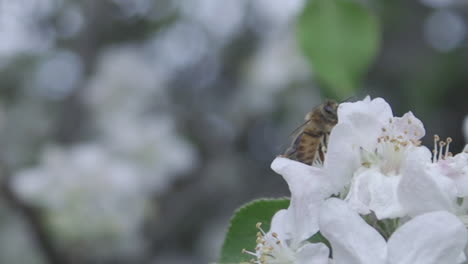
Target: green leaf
<point x="319" y="238"/>
<point x="242" y="231"/>
<point x="340" y="38"/>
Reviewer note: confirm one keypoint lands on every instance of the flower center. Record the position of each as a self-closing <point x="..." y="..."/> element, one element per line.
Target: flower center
<point x="270" y="249"/>
<point x="388" y="154"/>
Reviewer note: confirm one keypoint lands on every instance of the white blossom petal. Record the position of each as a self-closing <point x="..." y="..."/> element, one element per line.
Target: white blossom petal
<point x="358" y="196"/>
<point x="456" y="169"/>
<point x="407" y="127"/>
<point x="280" y="224"/>
<point x="377" y="109"/>
<point x="353" y="241"/>
<point x="372" y="191"/>
<point x="279" y="246"/>
<point x="341" y="159"/>
<point x="359" y="125"/>
<point x="313" y="254"/>
<point x="432" y="238"/>
<point x="424" y="190"/>
<point x="309" y="187"/>
<point x="384" y="199"/>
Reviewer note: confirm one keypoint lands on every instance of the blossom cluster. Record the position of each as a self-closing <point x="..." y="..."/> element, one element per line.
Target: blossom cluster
<point x="379" y="197"/>
<point x="135" y="154"/>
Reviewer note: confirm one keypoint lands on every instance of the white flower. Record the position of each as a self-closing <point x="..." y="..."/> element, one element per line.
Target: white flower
<point x="367" y="153"/>
<point x="83" y="191"/>
<point x="125" y="83"/>
<point x="154" y="146"/>
<point x="290" y="228"/>
<point x="369" y="148"/>
<point x="436" y="185"/>
<point x="278" y="247"/>
<point x="456" y="169"/>
<point x="309" y="187"/>
<point x="432" y="238"/>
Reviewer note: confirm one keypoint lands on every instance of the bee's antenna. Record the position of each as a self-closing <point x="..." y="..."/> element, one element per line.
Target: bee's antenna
<point x="348" y="99"/>
<point x="299" y="127"/>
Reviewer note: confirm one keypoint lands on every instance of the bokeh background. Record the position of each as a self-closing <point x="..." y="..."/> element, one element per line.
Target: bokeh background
<point x="131" y="130"/>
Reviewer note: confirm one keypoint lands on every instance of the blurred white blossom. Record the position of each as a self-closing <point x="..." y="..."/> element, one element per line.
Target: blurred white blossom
<point x="443" y="3"/>
<point x="57" y="76"/>
<point x="125" y="83"/>
<point x="85" y="187"/>
<point x="221" y="18"/>
<point x="20" y="31"/>
<point x="445" y="30"/>
<point x="169" y="48"/>
<point x="153" y="145"/>
<point x="84" y="191"/>
<point x="269" y="73"/>
<point x="277" y="13"/>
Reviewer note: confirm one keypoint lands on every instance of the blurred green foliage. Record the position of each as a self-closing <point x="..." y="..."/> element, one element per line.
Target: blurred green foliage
<point x="340" y="38"/>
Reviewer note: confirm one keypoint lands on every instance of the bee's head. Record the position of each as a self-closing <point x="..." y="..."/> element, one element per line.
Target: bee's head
<point x="329" y="111"/>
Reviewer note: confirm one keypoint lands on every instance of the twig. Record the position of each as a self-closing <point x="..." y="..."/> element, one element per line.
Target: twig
<point x="35" y="222"/>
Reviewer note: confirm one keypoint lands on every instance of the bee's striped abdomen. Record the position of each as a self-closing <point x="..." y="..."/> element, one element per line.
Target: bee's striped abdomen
<point x="306" y="148"/>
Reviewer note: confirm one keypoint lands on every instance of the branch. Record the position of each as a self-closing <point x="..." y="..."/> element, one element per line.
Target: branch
<point x="35" y="222"/>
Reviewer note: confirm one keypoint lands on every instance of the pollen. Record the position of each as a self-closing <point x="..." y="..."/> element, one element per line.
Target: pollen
<point x="366" y="164"/>
<point x="269" y="247"/>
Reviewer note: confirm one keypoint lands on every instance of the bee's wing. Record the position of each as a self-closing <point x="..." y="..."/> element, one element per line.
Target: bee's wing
<point x="293" y="148"/>
<point x="295" y="137"/>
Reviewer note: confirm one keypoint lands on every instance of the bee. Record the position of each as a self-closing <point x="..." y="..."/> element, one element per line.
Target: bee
<point x="310" y="142"/>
